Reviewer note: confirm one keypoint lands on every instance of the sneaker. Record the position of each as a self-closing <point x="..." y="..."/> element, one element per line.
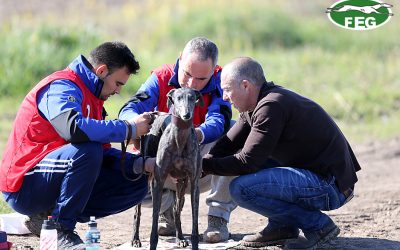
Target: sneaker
<point x="34" y="222"/>
<point x="69" y="239"/>
<point x="270" y="237"/>
<point x="217" y="230"/>
<point x="166" y="223"/>
<point x="314" y="239"/>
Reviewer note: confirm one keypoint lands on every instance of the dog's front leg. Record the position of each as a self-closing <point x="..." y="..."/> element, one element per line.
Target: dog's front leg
<point x="156" y="191"/>
<point x="180" y="201"/>
<point x="194" y="195"/>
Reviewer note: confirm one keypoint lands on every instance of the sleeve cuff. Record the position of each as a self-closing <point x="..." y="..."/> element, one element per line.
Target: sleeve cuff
<point x="133" y="126"/>
<point x="202" y="136"/>
<point x="137" y="167"/>
<point x="207" y="165"/>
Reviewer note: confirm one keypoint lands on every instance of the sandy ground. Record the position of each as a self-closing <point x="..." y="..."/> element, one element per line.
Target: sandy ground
<point x="370" y="221"/>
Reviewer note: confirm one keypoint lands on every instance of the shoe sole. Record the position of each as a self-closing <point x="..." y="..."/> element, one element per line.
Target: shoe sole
<point x="215" y="238"/>
<point x="166" y="231"/>
<point x="34" y="226"/>
<point x="330" y="236"/>
<point x="163" y="233"/>
<point x="264" y="243"/>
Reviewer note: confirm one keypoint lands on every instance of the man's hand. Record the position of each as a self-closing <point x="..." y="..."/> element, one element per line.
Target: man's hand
<point x="150" y="164"/>
<point x="206" y="166"/>
<point x="136" y="143"/>
<point x="199" y="135"/>
<point x="143" y="124"/>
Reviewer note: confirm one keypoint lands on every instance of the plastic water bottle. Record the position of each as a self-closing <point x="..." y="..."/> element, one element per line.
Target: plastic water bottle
<point x="48" y="235"/>
<point x="92" y="241"/>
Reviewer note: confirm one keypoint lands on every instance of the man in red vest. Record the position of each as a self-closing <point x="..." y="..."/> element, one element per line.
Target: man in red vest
<point x="196" y="68"/>
<point x="58" y="160"/>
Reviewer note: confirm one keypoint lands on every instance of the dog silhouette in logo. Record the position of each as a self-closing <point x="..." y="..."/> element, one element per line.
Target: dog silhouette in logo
<point x="364" y="9"/>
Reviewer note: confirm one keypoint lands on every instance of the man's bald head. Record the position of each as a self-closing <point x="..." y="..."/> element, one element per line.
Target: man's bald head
<point x="244" y="68"/>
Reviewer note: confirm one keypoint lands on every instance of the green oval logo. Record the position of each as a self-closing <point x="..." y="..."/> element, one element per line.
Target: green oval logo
<point x="359" y="14"/>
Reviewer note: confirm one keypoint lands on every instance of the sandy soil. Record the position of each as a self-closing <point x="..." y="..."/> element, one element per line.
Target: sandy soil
<point x="370" y="221"/>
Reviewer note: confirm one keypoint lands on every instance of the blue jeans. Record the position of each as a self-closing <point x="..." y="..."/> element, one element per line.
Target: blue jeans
<point x="289" y="197"/>
<point x="77" y="181"/>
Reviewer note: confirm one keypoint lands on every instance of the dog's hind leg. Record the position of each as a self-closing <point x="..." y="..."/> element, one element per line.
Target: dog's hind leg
<point x="136" y="225"/>
<point x="195" y="216"/>
<point x="180" y="201"/>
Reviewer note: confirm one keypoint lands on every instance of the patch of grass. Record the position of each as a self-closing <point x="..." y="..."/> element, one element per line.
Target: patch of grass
<point x="350" y="86"/>
<point x="31" y="53"/>
<point x="383" y="129"/>
<point x="9" y="107"/>
<point x="114" y="104"/>
<point x="353" y="75"/>
<point x="4" y="208"/>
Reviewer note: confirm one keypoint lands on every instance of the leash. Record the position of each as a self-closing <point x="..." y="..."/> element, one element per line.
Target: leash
<point x="123" y="154"/>
<point x="153" y="116"/>
<point x="142" y="146"/>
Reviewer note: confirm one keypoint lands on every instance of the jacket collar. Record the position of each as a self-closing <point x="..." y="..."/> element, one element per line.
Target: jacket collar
<point x="84" y="69"/>
<point x="265" y="88"/>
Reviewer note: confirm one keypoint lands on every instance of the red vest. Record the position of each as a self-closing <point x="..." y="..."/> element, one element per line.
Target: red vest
<point x="164" y="74"/>
<point x="33" y="137"/>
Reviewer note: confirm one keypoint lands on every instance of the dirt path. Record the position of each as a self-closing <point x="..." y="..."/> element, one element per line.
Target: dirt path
<point x="370" y="221"/>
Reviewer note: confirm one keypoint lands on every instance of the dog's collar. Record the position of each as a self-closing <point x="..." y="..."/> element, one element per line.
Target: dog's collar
<point x="177" y="121"/>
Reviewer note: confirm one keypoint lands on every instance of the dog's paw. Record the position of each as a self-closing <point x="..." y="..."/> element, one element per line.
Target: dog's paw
<point x="182" y="243"/>
<point x="136" y="243"/>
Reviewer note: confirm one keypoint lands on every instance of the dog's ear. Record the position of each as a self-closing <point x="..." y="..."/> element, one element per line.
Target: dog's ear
<point x="170" y="100"/>
<point x="199" y="98"/>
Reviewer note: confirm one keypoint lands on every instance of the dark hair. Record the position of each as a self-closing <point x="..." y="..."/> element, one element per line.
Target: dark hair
<point x="204" y="48"/>
<point x="115" y="55"/>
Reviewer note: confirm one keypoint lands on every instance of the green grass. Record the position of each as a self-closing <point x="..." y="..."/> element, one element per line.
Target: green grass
<point x="9" y="107"/>
<point x="4" y="208"/>
<point x="30" y="53"/>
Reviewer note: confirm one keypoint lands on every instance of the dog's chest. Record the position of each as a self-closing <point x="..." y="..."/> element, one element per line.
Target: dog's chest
<point x="179" y="168"/>
<point x="179" y="142"/>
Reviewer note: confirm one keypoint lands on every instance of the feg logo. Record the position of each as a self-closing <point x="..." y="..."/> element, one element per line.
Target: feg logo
<point x="359" y="14"/>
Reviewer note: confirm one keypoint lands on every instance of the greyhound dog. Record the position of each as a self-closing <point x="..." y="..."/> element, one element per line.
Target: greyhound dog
<point x="172" y="139"/>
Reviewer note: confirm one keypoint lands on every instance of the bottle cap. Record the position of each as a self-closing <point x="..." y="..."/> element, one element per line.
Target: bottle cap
<point x="92" y="222"/>
<point x="49" y="223"/>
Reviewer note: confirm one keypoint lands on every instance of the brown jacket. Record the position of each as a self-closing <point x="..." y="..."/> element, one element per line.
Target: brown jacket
<point x="290" y="129"/>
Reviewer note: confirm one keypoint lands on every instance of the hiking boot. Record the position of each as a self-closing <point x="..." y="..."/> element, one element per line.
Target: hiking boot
<point x="270" y="237"/>
<point x="217" y="230"/>
<point x="166" y="224"/>
<point x="313" y="239"/>
<point x="69" y="239"/>
<point x="34" y="222"/>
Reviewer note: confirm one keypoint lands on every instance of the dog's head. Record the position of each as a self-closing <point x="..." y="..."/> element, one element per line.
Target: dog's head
<point x="184" y="100"/>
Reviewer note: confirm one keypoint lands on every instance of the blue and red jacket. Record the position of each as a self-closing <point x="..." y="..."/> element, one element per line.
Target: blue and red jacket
<point x="213" y="118"/>
<point x="62" y="108"/>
